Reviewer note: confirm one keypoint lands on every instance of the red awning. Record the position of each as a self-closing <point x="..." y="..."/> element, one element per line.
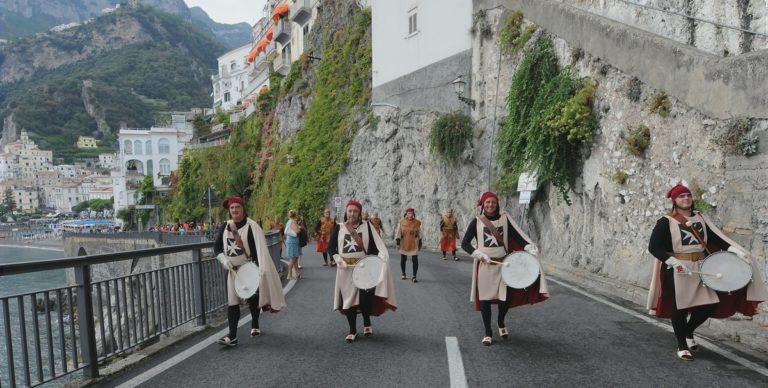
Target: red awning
<point x="252" y="56"/>
<point x="269" y="33"/>
<point x="280" y="11"/>
<point x="261" y="45"/>
<point x="263" y="89"/>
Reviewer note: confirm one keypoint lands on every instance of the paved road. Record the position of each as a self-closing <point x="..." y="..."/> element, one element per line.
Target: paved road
<point x="568" y="340"/>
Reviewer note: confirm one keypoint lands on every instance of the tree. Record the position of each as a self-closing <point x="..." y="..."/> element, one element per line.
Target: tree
<point x="9" y="203"/>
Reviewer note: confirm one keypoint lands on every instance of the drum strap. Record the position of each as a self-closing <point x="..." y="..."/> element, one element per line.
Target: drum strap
<point x="355" y="236"/>
<point x="493" y="230"/>
<point x="681" y="219"/>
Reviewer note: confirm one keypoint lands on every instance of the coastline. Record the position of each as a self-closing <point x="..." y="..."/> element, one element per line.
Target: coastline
<point x="45" y="244"/>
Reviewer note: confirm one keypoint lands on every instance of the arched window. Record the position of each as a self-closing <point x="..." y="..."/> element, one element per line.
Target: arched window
<point x="163" y="146"/>
<point x="128" y="147"/>
<point x="148" y="147"/>
<point x="165" y="166"/>
<point x="150" y="169"/>
<point x="137" y="147"/>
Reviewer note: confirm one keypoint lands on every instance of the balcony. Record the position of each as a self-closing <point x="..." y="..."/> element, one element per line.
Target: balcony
<point x="301" y="11"/>
<point x="282" y="64"/>
<point x="282" y="31"/>
<point x="262" y="60"/>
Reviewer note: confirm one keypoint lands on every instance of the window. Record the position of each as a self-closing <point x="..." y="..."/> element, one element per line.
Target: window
<point x="233" y="65"/>
<point x="150" y="169"/>
<point x="286" y="54"/>
<point x="165" y="166"/>
<point x="137" y="147"/>
<point x="412" y="25"/>
<point x="163" y="146"/>
<point x="128" y="147"/>
<point x="305" y="35"/>
<point x="148" y="147"/>
<point x="226" y="97"/>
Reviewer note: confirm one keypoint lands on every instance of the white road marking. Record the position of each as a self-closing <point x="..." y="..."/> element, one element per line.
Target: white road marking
<point x="455" y="365"/>
<point x="162" y="367"/>
<point x="701" y="341"/>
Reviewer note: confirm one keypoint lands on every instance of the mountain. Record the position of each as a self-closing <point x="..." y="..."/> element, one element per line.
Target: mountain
<point x="119" y="69"/>
<point x="20" y="18"/>
<point x="232" y="35"/>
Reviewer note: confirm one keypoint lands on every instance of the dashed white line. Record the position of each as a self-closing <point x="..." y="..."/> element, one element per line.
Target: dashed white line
<point x="455" y="364"/>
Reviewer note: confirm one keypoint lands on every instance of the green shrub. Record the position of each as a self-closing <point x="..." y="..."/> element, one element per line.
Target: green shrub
<point x="638" y="140"/>
<point x="660" y="104"/>
<point x="549" y="124"/>
<point x="510" y="31"/>
<point x="620" y="176"/>
<point x="449" y="135"/>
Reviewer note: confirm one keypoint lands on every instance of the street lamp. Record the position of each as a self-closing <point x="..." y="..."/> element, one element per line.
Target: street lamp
<point x="458" y="87"/>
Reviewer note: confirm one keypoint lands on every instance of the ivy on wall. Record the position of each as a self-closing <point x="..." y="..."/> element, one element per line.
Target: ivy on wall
<point x="449" y="135"/>
<point x="549" y="124"/>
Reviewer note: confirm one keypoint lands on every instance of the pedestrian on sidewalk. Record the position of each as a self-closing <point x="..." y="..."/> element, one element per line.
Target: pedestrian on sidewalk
<point x="497" y="235"/>
<point x="350" y="241"/>
<point x="292" y="248"/>
<point x="239" y="241"/>
<point x="408" y="241"/>
<point x="323" y="230"/>
<point x="680" y="241"/>
<point x="449" y="233"/>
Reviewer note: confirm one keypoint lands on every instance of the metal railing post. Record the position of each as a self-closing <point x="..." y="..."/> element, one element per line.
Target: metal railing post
<point x="197" y="274"/>
<point x="85" y="318"/>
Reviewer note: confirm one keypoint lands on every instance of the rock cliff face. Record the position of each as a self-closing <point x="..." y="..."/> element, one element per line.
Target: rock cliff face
<point x="606" y="229"/>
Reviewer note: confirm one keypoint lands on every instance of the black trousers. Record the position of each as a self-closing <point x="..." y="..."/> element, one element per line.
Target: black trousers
<point x="404" y="259"/>
<point x="685" y="321"/>
<point x="233" y="315"/>
<point x="365" y="307"/>
<point x="485" y="312"/>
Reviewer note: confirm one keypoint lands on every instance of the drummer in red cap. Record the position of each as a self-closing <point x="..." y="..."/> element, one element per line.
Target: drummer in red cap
<point x="351" y="241"/>
<point x="680" y="240"/>
<point x="239" y="241"/>
<point x="408" y="240"/>
<point x="497" y="235"/>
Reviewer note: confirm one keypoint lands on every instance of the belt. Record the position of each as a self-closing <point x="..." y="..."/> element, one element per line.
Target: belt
<point x="498" y="259"/>
<point x="692" y="256"/>
<point x="351" y="260"/>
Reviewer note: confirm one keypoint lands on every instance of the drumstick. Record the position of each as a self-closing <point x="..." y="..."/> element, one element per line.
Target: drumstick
<point x="717" y="275"/>
<point x="497" y="263"/>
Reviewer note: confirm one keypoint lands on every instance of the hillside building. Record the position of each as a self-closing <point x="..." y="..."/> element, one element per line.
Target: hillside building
<point x="230" y="83"/>
<point x="86" y="142"/>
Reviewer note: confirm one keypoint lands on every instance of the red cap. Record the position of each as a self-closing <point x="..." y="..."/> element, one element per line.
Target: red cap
<point x="486" y="195"/>
<point x="233" y="199"/>
<point x="352" y="202"/>
<point x="676" y="191"/>
<point x="410" y="210"/>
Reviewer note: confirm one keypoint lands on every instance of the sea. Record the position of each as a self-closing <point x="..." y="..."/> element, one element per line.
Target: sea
<point x="20" y="284"/>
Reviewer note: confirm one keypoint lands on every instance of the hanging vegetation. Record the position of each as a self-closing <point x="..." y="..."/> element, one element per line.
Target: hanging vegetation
<point x="549" y="124"/>
<point x="449" y="136"/>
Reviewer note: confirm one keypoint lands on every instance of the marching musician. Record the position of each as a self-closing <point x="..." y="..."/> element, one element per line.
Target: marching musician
<point x="449" y="233"/>
<point x="678" y="241"/>
<point x="497" y="235"/>
<point x="350" y="241"/>
<point x="241" y="240"/>
<point x="408" y="241"/>
<point x="323" y="230"/>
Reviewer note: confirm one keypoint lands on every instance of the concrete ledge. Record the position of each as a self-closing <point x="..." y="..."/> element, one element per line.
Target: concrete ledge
<point x="719" y="87"/>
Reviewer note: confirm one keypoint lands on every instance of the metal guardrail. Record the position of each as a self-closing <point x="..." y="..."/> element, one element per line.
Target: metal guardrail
<point x="51" y="333"/>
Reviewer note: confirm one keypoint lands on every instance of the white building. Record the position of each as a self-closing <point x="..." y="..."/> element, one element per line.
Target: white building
<point x="69" y="194"/>
<point x="8" y="167"/>
<point x="291" y="30"/>
<point x="109" y="161"/>
<point x="155" y="152"/>
<point x="231" y="82"/>
<point x="22" y="159"/>
<point x="421" y="46"/>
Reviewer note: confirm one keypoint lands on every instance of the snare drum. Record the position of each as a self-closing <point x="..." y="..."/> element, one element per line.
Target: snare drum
<point x="368" y="272"/>
<point x="736" y="273"/>
<point x="519" y="269"/>
<point x="247" y="280"/>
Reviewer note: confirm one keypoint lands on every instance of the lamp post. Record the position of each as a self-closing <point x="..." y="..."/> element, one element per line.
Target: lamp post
<point x="458" y="87"/>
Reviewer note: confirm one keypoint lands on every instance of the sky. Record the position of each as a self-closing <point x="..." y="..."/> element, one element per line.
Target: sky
<point x="231" y="11"/>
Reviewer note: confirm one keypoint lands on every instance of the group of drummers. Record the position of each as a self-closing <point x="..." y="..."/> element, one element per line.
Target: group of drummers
<point x="700" y="273"/>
